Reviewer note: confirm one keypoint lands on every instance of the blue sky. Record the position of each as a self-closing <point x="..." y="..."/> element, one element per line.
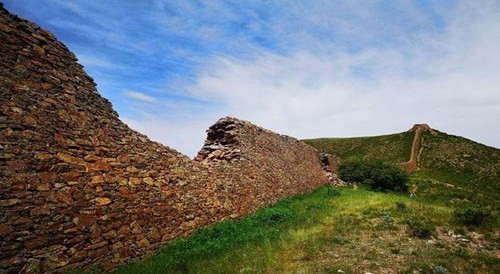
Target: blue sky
<point x="303" y="68"/>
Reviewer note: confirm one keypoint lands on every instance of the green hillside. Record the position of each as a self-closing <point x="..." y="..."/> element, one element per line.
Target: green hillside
<point x="449" y="167"/>
<point x="460" y="164"/>
<point x="394" y="148"/>
<point x="334" y="230"/>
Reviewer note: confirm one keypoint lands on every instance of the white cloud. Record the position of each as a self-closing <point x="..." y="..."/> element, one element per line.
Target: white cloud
<point x="93" y="61"/>
<point x="185" y="137"/>
<point x="449" y="79"/>
<point x="139" y="96"/>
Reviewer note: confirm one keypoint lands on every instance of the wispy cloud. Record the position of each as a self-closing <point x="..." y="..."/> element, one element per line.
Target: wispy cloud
<point x="139" y="96"/>
<point x="93" y="61"/>
<point x="448" y="80"/>
<point x="304" y="68"/>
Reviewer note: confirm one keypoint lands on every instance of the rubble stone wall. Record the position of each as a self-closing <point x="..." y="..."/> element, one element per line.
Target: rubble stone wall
<point x="79" y="188"/>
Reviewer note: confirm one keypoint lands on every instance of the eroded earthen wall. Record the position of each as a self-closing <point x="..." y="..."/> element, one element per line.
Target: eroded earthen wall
<point x="79" y="188"/>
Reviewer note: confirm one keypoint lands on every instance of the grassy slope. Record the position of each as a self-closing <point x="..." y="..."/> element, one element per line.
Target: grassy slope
<point x="451" y="168"/>
<point x="394" y="148"/>
<point x="357" y="231"/>
<point x="461" y="164"/>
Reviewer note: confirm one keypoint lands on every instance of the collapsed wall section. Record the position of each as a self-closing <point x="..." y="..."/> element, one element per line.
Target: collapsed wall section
<point x="79" y="188"/>
<point x="269" y="166"/>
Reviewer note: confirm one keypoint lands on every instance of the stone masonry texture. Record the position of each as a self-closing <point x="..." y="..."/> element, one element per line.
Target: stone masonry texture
<point x="80" y="189"/>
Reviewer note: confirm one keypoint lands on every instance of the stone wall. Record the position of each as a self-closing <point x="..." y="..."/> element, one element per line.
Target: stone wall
<point x="412" y="164"/>
<point x="79" y="188"/>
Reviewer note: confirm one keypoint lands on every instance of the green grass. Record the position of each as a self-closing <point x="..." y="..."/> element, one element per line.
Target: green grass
<point x="451" y="168"/>
<point x="393" y="148"/>
<point x="233" y="245"/>
<point x="354" y="230"/>
<point x="462" y="163"/>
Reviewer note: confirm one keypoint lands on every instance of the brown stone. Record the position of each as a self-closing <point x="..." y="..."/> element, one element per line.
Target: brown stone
<point x="7" y="132"/>
<point x="143" y="243"/>
<point x="64" y="195"/>
<point x="57" y="261"/>
<point x="149" y="180"/>
<point x="110" y="234"/>
<point x="123" y="158"/>
<point x="102" y="201"/>
<point x="91" y="158"/>
<point x="7" y="156"/>
<point x="98" y="253"/>
<point x="132" y="169"/>
<point x="47" y="177"/>
<point x="78" y="256"/>
<point x="43" y="156"/>
<point x="155" y="235"/>
<point x="135" y="180"/>
<point x="71" y="230"/>
<point x="117" y="245"/>
<point x="40" y="210"/>
<point x="5" y="229"/>
<point x="29" y="120"/>
<point x="43" y="187"/>
<point x="97" y="166"/>
<point x="121" y="180"/>
<point x="35" y="243"/>
<point x="69" y="159"/>
<point x="38" y="49"/>
<point x="16" y="164"/>
<point x="32" y="266"/>
<point x="96" y="245"/>
<point x="72" y="175"/>
<point x="9" y="202"/>
<point x="83" y="221"/>
<point x="60" y="140"/>
<point x="98" y="179"/>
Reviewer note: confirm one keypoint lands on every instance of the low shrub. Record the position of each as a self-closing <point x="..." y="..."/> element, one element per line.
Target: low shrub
<point x="401" y="206"/>
<point x="473" y="216"/>
<point x="386" y="217"/>
<point x="395" y="250"/>
<point x="387" y="220"/>
<point x="377" y="175"/>
<point x="437" y="269"/>
<point x="419" y="228"/>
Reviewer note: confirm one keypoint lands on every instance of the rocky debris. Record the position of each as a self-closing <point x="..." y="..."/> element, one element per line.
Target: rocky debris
<point x="79" y="188"/>
<point x="222" y="141"/>
<point x="472" y="240"/>
<point x="330" y="165"/>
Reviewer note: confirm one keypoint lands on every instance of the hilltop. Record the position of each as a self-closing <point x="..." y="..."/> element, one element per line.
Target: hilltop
<point x="445" y="164"/>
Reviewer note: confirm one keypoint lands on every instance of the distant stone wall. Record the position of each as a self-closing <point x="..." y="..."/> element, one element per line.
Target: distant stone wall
<point x="412" y="164"/>
<point x="79" y="188"/>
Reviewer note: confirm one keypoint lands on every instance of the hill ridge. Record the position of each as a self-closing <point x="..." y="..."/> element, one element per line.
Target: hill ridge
<point x="470" y="166"/>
